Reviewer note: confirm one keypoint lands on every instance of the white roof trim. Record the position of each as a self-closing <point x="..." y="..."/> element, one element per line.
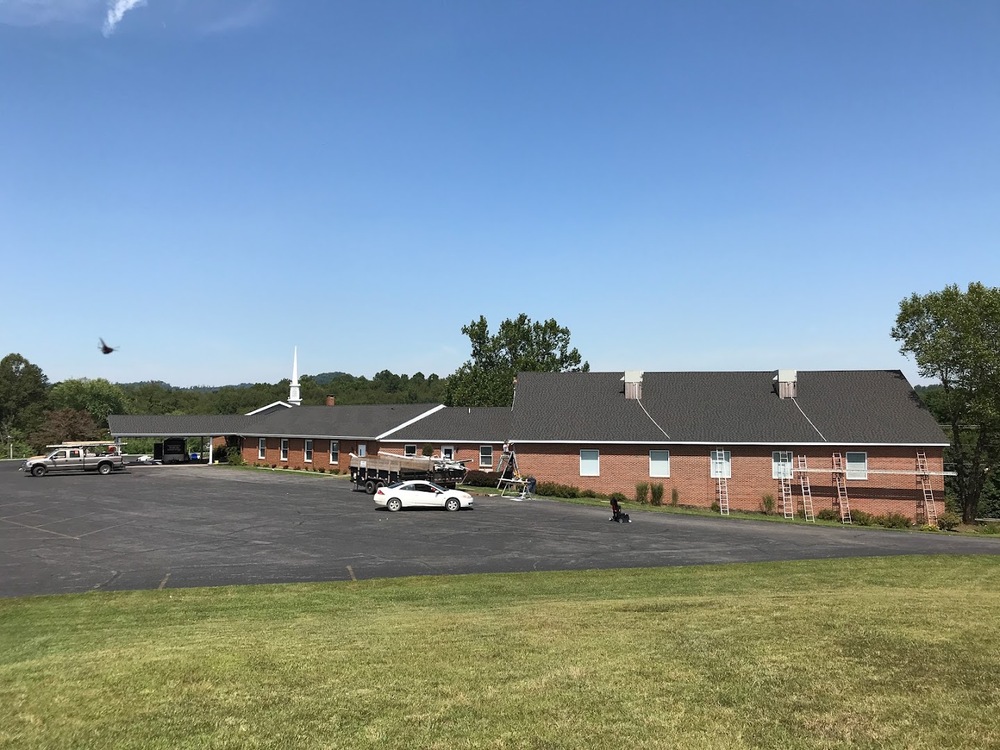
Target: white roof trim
<point x="264" y="408"/>
<point x="417" y="418"/>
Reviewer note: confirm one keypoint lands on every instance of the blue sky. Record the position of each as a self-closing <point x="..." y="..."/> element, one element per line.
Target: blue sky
<point x="684" y="185"/>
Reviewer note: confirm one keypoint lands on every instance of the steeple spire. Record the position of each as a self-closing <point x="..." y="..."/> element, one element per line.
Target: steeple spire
<point x="293" y="390"/>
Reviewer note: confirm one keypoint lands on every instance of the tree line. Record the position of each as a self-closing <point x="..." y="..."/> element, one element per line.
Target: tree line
<point x="35" y="413"/>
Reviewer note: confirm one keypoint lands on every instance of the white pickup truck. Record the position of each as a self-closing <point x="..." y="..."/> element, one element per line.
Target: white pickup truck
<point x="100" y="456"/>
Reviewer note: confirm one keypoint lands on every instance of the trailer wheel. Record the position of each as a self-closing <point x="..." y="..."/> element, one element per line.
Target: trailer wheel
<point x="38" y="470"/>
<point x="379" y="485"/>
<point x="370" y="486"/>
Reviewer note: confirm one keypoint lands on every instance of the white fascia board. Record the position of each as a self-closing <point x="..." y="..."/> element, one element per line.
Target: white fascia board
<point x="307" y="437"/>
<point x="829" y="443"/>
<point x="417" y="418"/>
<point x="276" y="403"/>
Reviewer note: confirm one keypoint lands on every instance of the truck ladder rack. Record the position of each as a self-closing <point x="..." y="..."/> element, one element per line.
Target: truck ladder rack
<point x="722" y="488"/>
<point x="807" y="498"/>
<point x="930" y="507"/>
<point x="840" y="478"/>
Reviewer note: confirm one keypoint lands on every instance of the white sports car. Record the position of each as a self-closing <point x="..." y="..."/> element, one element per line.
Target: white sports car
<point x="421" y="494"/>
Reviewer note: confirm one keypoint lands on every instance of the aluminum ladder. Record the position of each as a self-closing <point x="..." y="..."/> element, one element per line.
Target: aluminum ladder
<point x="722" y="488"/>
<point x="840" y="479"/>
<point x="807" y="498"/>
<point x="930" y="507"/>
<point x="787" y="500"/>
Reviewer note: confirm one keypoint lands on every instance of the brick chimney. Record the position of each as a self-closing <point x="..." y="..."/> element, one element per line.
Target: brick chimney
<point x="331" y="401"/>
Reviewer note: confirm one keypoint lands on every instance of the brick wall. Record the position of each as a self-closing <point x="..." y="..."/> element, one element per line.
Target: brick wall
<point x="622" y="467"/>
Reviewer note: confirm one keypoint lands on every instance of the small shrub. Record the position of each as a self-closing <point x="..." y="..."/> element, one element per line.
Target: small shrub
<point x="274" y="466"/>
<point x="233" y="456"/>
<point x="929" y="527"/>
<point x="476" y="478"/>
<point x="948" y="521"/>
<point x="656" y="491"/>
<point x="827" y="514"/>
<point x="321" y="470"/>
<point x="862" y="518"/>
<point x="552" y="489"/>
<point x="642" y="492"/>
<point x="767" y="504"/>
<point x="715" y="506"/>
<point x="334" y="471"/>
<point x="991" y="527"/>
<point x="675" y="497"/>
<point x="428" y="449"/>
<point x="894" y="521"/>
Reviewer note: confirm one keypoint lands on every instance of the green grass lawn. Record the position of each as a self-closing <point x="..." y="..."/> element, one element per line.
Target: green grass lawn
<point x="867" y="653"/>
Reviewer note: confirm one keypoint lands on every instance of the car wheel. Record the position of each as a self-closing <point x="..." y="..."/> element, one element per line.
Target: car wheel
<point x="38" y="470"/>
<point x="379" y="485"/>
<point x="370" y="486"/>
<point x="104" y="469"/>
<point x="452" y="504"/>
<point x="393" y="504"/>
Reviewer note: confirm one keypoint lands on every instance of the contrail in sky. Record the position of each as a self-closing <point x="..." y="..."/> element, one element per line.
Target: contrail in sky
<point x="116" y="11"/>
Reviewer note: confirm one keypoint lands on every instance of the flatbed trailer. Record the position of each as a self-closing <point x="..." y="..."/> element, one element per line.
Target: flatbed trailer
<point x="371" y="472"/>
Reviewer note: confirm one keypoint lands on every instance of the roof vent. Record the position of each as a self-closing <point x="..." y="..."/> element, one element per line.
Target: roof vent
<point x="786" y="383"/>
<point x="633" y="385"/>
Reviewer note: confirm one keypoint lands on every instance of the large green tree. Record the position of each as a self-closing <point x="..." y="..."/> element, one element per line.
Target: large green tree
<point x="954" y="336"/>
<point x="98" y="397"/>
<point x="23" y="397"/>
<point x="519" y="345"/>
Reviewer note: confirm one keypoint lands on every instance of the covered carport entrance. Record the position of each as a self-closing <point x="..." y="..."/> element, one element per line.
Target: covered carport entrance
<point x="173" y="430"/>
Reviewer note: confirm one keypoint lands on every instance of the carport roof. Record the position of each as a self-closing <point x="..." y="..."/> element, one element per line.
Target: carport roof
<point x="179" y="425"/>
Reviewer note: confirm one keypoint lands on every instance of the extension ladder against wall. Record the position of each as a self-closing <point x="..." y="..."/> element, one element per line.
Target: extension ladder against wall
<point x="722" y="486"/>
<point x="840" y="479"/>
<point x="787" y="501"/>
<point x="930" y="507"/>
<point x="807" y="498"/>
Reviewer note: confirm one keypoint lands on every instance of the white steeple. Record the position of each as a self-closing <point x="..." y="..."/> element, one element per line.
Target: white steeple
<point x="293" y="390"/>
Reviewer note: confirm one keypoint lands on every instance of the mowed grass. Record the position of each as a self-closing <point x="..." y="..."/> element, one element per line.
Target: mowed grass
<point x="865" y="653"/>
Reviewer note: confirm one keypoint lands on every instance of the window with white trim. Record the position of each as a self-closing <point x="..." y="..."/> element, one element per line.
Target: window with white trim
<point x="410" y="450"/>
<point x="308" y="451"/>
<point x="485" y="456"/>
<point x="261" y="448"/>
<point x="781" y="464"/>
<point x="857" y="465"/>
<point x="334" y="452"/>
<point x="448" y="452"/>
<point x="590" y="463"/>
<point x="722" y="464"/>
<point x="284" y="449"/>
<point x="362" y="450"/>
<point x="659" y="463"/>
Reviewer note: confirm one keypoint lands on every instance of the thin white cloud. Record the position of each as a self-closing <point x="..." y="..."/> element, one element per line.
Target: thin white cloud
<point x="40" y="12"/>
<point x="116" y="12"/>
<point x="252" y="13"/>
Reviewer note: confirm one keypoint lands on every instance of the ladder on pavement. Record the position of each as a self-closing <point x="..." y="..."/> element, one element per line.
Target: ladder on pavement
<point x="722" y="487"/>
<point x="930" y="507"/>
<point x="787" y="500"/>
<point x="807" y="498"/>
<point x="840" y="479"/>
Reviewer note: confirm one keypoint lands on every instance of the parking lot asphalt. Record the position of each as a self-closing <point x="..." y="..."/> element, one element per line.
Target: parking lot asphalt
<point x="180" y="526"/>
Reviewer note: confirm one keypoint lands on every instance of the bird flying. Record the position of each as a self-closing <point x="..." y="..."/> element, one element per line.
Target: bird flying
<point x="105" y="349"/>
